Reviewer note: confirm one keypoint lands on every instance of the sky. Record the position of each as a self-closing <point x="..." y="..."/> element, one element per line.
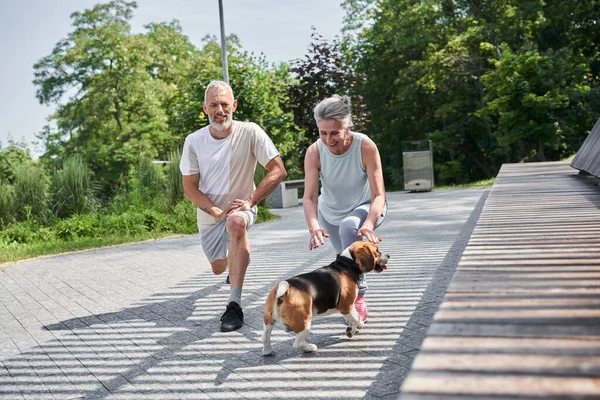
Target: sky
<point x="29" y="29"/>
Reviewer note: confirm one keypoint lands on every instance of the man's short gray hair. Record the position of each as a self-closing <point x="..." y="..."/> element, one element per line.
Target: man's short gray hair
<point x="217" y="85"/>
<point x="336" y="107"/>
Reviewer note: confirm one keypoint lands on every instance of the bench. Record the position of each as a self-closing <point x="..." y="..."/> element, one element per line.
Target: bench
<point x="520" y="317"/>
<point x="286" y="195"/>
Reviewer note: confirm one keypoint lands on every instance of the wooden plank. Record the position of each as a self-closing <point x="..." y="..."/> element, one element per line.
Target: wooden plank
<point x="486" y="386"/>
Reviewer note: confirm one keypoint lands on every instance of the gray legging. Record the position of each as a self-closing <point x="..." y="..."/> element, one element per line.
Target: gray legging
<point x="344" y="235"/>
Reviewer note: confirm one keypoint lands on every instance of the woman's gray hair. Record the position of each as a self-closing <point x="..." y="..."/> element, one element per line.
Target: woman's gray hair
<point x="217" y="85"/>
<point x="336" y="107"/>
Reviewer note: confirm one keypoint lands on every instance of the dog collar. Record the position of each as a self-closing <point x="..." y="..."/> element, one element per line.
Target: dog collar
<point x="349" y="263"/>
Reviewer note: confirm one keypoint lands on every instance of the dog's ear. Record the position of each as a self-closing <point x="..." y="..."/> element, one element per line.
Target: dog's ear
<point x="365" y="257"/>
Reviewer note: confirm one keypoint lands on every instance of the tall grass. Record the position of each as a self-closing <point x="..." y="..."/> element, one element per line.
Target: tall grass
<point x="173" y="184"/>
<point x="71" y="189"/>
<point x="149" y="178"/>
<point x="31" y="193"/>
<point x="7" y="204"/>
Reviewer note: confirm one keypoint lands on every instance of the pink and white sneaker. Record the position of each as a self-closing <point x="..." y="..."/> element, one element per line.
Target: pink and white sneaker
<point x="361" y="307"/>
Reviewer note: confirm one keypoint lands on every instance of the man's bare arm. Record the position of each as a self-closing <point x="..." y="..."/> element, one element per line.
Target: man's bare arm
<point x="275" y="175"/>
<point x="191" y="191"/>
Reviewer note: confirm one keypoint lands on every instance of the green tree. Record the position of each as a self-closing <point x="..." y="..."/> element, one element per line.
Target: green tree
<point x="532" y="96"/>
<point x="320" y="74"/>
<point x="116" y="85"/>
<point x="12" y="156"/>
<point x="488" y="81"/>
<point x="121" y="96"/>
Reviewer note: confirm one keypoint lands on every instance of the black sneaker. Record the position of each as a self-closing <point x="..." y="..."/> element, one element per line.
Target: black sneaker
<point x="227" y="280"/>
<point x="233" y="318"/>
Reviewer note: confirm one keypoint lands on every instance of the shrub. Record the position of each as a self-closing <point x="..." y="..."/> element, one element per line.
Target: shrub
<point x="183" y="217"/>
<point x="263" y="215"/>
<point x="25" y="232"/>
<point x="78" y="226"/>
<point x="151" y="220"/>
<point x="149" y="178"/>
<point x="8" y="207"/>
<point x="31" y="192"/>
<point x="72" y="189"/>
<point x="17" y="233"/>
<point x="127" y="223"/>
<point x="173" y="183"/>
<point x="450" y="172"/>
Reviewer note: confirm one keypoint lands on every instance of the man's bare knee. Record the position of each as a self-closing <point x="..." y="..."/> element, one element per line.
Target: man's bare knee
<point x="236" y="226"/>
<point x="219" y="266"/>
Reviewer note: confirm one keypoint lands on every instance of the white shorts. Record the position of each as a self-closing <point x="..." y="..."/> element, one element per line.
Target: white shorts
<point x="215" y="239"/>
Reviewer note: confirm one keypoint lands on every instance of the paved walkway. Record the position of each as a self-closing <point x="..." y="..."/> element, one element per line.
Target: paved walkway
<point x="141" y="321"/>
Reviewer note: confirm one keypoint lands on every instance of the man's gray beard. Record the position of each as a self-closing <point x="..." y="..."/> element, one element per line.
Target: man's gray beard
<point x="221" y="127"/>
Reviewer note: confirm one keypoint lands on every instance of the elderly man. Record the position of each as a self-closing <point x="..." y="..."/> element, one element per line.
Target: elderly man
<point x="217" y="164"/>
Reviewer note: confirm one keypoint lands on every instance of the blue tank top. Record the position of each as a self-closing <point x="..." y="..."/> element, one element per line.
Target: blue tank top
<point x="344" y="183"/>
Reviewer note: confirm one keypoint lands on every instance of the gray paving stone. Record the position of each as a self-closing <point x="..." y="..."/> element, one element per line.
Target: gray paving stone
<point x="142" y="321"/>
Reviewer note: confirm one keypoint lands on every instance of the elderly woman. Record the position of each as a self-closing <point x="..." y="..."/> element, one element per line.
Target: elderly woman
<point x="352" y="201"/>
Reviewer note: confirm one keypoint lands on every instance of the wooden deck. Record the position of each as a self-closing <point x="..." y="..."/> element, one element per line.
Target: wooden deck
<point x="521" y="318"/>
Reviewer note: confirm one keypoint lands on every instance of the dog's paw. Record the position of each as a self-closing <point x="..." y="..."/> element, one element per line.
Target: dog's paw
<point x="309" y="348"/>
<point x="351" y="330"/>
<point x="268" y="351"/>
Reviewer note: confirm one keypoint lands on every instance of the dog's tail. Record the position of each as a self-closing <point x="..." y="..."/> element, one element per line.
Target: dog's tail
<point x="282" y="288"/>
<point x="273" y="300"/>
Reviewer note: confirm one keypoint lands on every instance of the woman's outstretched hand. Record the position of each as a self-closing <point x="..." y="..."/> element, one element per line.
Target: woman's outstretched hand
<point x="317" y="238"/>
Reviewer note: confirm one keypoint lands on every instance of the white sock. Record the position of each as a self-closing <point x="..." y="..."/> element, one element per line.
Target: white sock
<point x="235" y="294"/>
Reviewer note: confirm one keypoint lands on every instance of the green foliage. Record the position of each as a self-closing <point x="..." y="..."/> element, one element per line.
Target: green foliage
<point x="145" y="189"/>
<point x="122" y="82"/>
<point x="71" y="189"/>
<point x="487" y="82"/>
<point x="31" y="193"/>
<point x="78" y="226"/>
<point x="449" y="172"/>
<point x="24" y="233"/>
<point x="11" y="157"/>
<point x="485" y="183"/>
<point x="531" y="95"/>
<point x="8" y="205"/>
<point x="173" y="180"/>
<point x="319" y="75"/>
<point x="263" y="215"/>
<point x="19" y="233"/>
<point x="139" y="95"/>
<point x="148" y="178"/>
<point x="184" y="217"/>
<point x="130" y="224"/>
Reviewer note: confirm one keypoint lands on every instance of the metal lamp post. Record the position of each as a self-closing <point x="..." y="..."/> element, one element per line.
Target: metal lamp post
<point x="223" y="44"/>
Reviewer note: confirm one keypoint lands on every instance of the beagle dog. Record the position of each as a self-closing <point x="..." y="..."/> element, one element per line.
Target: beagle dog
<point x="325" y="291"/>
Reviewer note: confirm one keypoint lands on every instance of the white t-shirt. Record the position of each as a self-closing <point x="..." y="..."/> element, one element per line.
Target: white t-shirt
<point x="226" y="166"/>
